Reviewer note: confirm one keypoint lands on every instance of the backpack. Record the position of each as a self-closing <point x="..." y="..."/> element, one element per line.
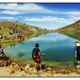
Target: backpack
<point x="78" y="49"/>
<point x="35" y="53"/>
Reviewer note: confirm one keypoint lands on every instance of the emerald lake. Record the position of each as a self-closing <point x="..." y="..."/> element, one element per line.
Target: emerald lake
<point x="56" y="46"/>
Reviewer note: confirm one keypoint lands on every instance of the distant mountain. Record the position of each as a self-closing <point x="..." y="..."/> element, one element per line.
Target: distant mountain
<point x="14" y="32"/>
<point x="72" y="30"/>
<point x="23" y="28"/>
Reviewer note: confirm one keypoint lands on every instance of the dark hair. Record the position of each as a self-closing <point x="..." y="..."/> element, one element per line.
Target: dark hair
<point x="36" y="45"/>
<point x="76" y="42"/>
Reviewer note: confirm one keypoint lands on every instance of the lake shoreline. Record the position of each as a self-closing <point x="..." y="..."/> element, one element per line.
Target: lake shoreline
<point x="60" y="70"/>
<point x="51" y="69"/>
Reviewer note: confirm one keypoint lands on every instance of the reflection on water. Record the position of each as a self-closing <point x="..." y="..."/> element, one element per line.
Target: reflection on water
<point x="28" y="37"/>
<point x="57" y="47"/>
<point x="14" y="44"/>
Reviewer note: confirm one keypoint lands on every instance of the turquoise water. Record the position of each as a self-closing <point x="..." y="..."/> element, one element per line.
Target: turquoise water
<point x="57" y="47"/>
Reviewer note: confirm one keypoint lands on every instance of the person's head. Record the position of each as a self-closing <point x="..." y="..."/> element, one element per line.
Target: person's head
<point x="36" y="45"/>
<point x="77" y="43"/>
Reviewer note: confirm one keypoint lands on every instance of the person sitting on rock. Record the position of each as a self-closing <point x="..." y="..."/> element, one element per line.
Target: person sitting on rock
<point x="1" y="51"/>
<point x="2" y="54"/>
<point x="4" y="60"/>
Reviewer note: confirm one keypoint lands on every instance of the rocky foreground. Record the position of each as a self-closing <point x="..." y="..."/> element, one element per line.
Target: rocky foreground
<point x="14" y="68"/>
<point x="28" y="70"/>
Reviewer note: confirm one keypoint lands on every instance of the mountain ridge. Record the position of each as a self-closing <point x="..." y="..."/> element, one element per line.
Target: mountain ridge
<point x="72" y="30"/>
<point x="6" y="26"/>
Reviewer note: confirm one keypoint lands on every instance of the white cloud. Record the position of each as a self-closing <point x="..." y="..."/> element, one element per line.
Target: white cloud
<point x="10" y="12"/>
<point x="8" y="6"/>
<point x="57" y="38"/>
<point x="74" y="18"/>
<point x="7" y="18"/>
<point x="46" y="19"/>
<point x="23" y="7"/>
<point x="40" y="19"/>
<point x="52" y="21"/>
<point x="73" y="13"/>
<point x="14" y="9"/>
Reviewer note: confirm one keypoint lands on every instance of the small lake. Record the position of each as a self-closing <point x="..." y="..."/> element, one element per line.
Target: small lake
<point x="56" y="46"/>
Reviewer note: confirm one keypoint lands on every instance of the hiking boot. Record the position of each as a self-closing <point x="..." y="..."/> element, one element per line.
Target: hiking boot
<point x="78" y="66"/>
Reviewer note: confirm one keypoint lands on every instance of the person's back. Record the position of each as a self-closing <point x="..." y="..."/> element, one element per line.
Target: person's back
<point x="35" y="55"/>
<point x="77" y="53"/>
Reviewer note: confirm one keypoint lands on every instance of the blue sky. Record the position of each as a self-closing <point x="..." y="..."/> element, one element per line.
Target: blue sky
<point x="44" y="15"/>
